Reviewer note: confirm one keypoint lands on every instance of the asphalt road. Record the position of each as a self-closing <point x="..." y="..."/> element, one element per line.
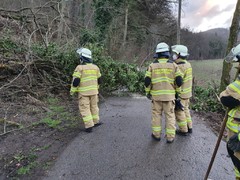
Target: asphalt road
<point x="122" y="149"/>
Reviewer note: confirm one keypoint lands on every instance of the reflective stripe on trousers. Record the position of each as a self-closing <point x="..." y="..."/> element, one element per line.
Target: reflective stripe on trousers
<point x="237" y="174"/>
<point x="158" y="108"/>
<point x="88" y="106"/>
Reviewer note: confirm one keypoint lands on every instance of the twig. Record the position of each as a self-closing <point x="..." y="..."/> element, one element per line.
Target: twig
<point x="9" y="122"/>
<point x="219" y="100"/>
<point x="217" y="97"/>
<point x="14" y="78"/>
<point x="144" y="60"/>
<point x="28" y="8"/>
<point x="5" y="119"/>
<point x="37" y="102"/>
<point x="15" y="130"/>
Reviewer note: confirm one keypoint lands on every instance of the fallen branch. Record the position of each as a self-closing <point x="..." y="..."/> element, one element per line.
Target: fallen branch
<point x="9" y="122"/>
<point x="37" y="102"/>
<point x="5" y="119"/>
<point x="15" y="130"/>
<point x="14" y="78"/>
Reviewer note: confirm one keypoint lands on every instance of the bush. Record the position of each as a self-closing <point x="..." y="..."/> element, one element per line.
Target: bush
<point x="115" y="74"/>
<point x="205" y="99"/>
<point x="9" y="47"/>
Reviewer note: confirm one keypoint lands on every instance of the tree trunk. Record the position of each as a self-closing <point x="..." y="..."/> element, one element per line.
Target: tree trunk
<point x="34" y="27"/>
<point x="125" y="26"/>
<point x="234" y="30"/>
<point x="61" y="25"/>
<point x="179" y="21"/>
<point x="74" y="14"/>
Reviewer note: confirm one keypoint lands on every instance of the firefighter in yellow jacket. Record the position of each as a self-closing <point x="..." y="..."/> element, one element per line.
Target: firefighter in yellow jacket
<point x="161" y="80"/>
<point x="231" y="99"/>
<point x="183" y="117"/>
<point x="86" y="78"/>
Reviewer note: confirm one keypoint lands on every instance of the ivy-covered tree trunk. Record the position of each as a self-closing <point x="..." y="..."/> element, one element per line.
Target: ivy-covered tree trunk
<point x="234" y="30"/>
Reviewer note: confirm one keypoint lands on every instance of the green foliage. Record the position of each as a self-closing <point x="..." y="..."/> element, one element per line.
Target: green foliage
<point x="9" y="47"/>
<point x="53" y="118"/>
<point x="58" y="117"/>
<point x="44" y="52"/>
<point x="105" y="11"/>
<point x="64" y="59"/>
<point x="40" y="148"/>
<point x="88" y="36"/>
<point x="205" y="99"/>
<point x="51" y="122"/>
<point x="19" y="157"/>
<point x="116" y="74"/>
<point x="26" y="162"/>
<point x="23" y="170"/>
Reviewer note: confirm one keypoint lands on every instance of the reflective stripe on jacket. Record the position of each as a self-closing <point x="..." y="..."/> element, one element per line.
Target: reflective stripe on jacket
<point x="163" y="75"/>
<point x="186" y="69"/>
<point x="233" y="125"/>
<point x="233" y="90"/>
<point x="88" y="75"/>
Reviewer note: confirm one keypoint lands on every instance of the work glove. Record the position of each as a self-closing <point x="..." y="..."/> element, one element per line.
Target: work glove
<point x="178" y="105"/>
<point x="234" y="143"/>
<point x="149" y="96"/>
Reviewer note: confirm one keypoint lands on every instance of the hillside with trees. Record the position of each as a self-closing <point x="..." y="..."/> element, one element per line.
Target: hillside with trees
<point x="209" y="44"/>
<point x="129" y="30"/>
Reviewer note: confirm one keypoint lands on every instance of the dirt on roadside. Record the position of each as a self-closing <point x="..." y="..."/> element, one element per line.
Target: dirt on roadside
<point x="29" y="142"/>
<point x="213" y="120"/>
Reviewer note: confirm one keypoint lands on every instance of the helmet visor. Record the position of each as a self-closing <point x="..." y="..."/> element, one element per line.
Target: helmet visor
<point x="231" y="57"/>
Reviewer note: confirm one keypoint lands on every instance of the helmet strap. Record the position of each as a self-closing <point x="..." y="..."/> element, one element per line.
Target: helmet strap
<point x="81" y="60"/>
<point x="238" y="57"/>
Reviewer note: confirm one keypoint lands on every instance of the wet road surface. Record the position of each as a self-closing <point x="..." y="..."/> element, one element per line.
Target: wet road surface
<point x="122" y="149"/>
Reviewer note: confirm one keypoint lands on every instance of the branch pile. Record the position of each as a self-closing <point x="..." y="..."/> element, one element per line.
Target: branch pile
<point x="22" y="72"/>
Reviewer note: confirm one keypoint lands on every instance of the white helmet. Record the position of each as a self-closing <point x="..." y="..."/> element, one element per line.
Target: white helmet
<point x="85" y="52"/>
<point x="180" y="49"/>
<point x="162" y="47"/>
<point x="233" y="55"/>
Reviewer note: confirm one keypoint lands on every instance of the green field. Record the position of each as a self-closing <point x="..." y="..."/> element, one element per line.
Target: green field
<point x="208" y="71"/>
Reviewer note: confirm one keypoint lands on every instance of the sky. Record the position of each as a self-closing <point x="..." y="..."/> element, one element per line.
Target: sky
<point x="202" y="15"/>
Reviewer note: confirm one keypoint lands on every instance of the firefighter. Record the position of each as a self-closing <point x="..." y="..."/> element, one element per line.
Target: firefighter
<point x="161" y="79"/>
<point x="183" y="117"/>
<point x="86" y="79"/>
<point x="230" y="98"/>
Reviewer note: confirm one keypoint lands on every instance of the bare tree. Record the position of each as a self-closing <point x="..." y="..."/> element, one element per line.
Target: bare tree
<point x="61" y="26"/>
<point x="125" y="25"/>
<point x="179" y="21"/>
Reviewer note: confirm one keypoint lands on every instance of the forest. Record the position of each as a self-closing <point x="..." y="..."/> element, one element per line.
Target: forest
<point x="128" y="30"/>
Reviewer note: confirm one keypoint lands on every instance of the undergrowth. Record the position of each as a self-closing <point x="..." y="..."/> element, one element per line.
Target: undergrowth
<point x="206" y="99"/>
<point x="115" y="74"/>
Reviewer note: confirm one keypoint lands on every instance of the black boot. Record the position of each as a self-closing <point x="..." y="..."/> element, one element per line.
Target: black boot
<point x="189" y="130"/>
<point x="156" y="138"/>
<point x="170" y="140"/>
<point x="88" y="130"/>
<point x="181" y="133"/>
<point x="98" y="124"/>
